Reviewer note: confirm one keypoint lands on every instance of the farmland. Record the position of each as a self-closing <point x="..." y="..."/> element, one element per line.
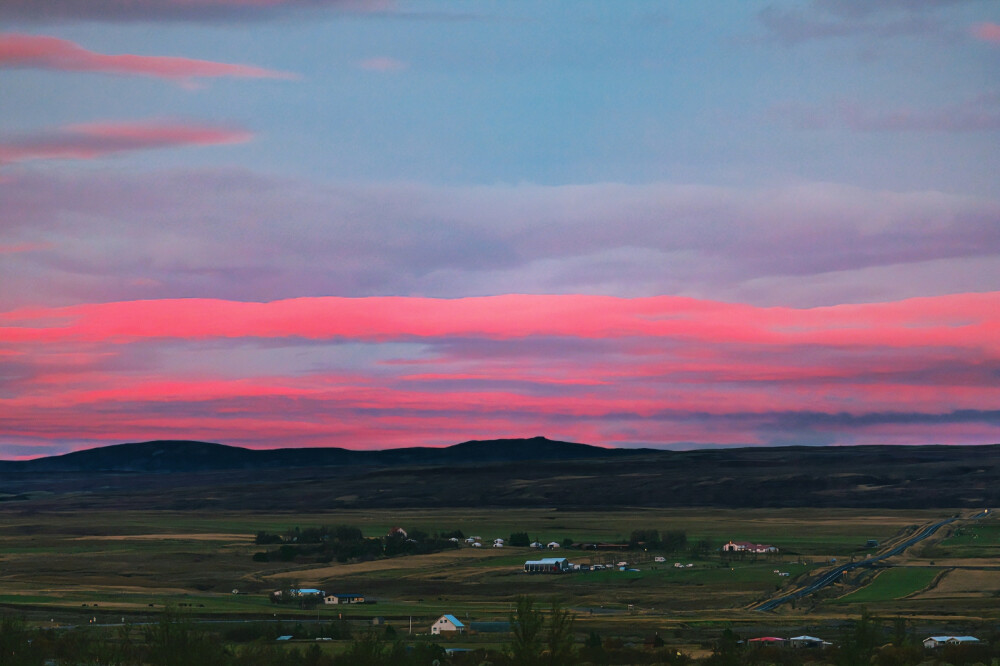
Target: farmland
<point x="138" y="562"/>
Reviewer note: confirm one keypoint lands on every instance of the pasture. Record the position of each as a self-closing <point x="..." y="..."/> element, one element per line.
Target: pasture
<point x="106" y="565"/>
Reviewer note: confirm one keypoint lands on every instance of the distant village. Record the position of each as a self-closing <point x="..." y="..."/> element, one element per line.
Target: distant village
<point x="449" y="624"/>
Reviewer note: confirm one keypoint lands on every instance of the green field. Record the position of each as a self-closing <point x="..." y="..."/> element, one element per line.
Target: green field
<point x="133" y="564"/>
<point x="892" y="584"/>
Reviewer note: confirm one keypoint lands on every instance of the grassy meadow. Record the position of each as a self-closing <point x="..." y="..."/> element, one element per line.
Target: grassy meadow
<point x="63" y="569"/>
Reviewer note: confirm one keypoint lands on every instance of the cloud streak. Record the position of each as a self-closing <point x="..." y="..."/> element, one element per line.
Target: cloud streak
<point x="176" y="10"/>
<point x="94" y="140"/>
<point x="44" y="52"/>
<point x="808" y="244"/>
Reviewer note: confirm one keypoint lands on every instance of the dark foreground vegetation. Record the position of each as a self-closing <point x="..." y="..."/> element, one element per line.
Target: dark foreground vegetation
<point x="506" y="473"/>
<point x="538" y="637"/>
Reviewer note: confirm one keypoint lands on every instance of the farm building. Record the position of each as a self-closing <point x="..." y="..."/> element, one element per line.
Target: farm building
<point x="807" y="642"/>
<point x="547" y="565"/>
<point x="748" y="547"/>
<point x="397" y="531"/>
<point x="766" y="640"/>
<point x="336" y="599"/>
<point x="446" y="624"/>
<point x="938" y="641"/>
<point x="552" y="545"/>
<point x="304" y="592"/>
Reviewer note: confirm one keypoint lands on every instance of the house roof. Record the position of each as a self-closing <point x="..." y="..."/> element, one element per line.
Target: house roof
<point x="939" y="639"/>
<point x="965" y="639"/>
<point x="454" y="620"/>
<point x="767" y="639"/>
<point x="548" y="560"/>
<point x="806" y="638"/>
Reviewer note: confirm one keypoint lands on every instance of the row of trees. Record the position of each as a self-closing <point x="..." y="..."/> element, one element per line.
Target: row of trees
<point x="344" y="543"/>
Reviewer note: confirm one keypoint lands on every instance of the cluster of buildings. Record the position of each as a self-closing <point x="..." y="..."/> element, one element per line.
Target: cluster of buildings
<point x="748" y="547"/>
<point x="813" y="642"/>
<point x="313" y="593"/>
<point x="449" y="624"/>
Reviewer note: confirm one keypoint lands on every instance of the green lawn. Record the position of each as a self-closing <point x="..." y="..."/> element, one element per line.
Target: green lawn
<point x="892" y="584"/>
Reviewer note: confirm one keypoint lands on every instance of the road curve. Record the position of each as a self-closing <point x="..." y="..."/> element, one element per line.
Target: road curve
<point x="835" y="573"/>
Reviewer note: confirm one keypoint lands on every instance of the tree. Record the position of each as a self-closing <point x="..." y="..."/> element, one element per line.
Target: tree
<point x="859" y="641"/>
<point x="560" y="637"/>
<point x="674" y="540"/>
<point x="367" y="650"/>
<point x="519" y="540"/>
<point x="727" y="650"/>
<point x="526" y="625"/>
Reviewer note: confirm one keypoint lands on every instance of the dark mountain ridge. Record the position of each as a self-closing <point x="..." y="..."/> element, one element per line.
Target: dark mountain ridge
<point x="527" y="473"/>
<point x="181" y="456"/>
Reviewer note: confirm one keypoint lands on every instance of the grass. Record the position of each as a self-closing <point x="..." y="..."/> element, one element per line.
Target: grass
<point x="125" y="561"/>
<point x="892" y="584"/>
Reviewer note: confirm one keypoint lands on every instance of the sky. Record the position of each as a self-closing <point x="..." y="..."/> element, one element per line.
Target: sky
<point x="378" y="223"/>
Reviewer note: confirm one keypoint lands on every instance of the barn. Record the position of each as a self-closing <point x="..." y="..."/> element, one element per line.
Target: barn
<point x="548" y="565"/>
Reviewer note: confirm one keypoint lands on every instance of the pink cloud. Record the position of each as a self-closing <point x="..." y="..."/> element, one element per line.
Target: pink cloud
<point x="182" y="10"/>
<point x="383" y="64"/>
<point x="43" y="52"/>
<point x="987" y="32"/>
<point x="93" y="140"/>
<point x="370" y="372"/>
<point x="17" y="248"/>
<point x="957" y="319"/>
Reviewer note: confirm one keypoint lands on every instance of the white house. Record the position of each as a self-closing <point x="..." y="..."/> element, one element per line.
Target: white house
<point x="447" y="623"/>
<point x="498" y="543"/>
<point x="476" y="544"/>
<point x="536" y="544"/>
<point x="552" y="545"/>
<point x="748" y="547"/>
<point x="337" y="599"/>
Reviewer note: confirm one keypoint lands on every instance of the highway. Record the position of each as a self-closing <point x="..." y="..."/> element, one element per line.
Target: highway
<point x="835" y="573"/>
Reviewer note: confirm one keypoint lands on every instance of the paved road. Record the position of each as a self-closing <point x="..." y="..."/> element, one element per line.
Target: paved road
<point x="835" y="573"/>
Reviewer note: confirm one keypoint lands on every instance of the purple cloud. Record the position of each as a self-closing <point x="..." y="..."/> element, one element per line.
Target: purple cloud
<point x="811" y="243"/>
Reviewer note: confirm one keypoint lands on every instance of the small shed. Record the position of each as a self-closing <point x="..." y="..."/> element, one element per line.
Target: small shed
<point x="806" y="642"/>
<point x="447" y="624"/>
